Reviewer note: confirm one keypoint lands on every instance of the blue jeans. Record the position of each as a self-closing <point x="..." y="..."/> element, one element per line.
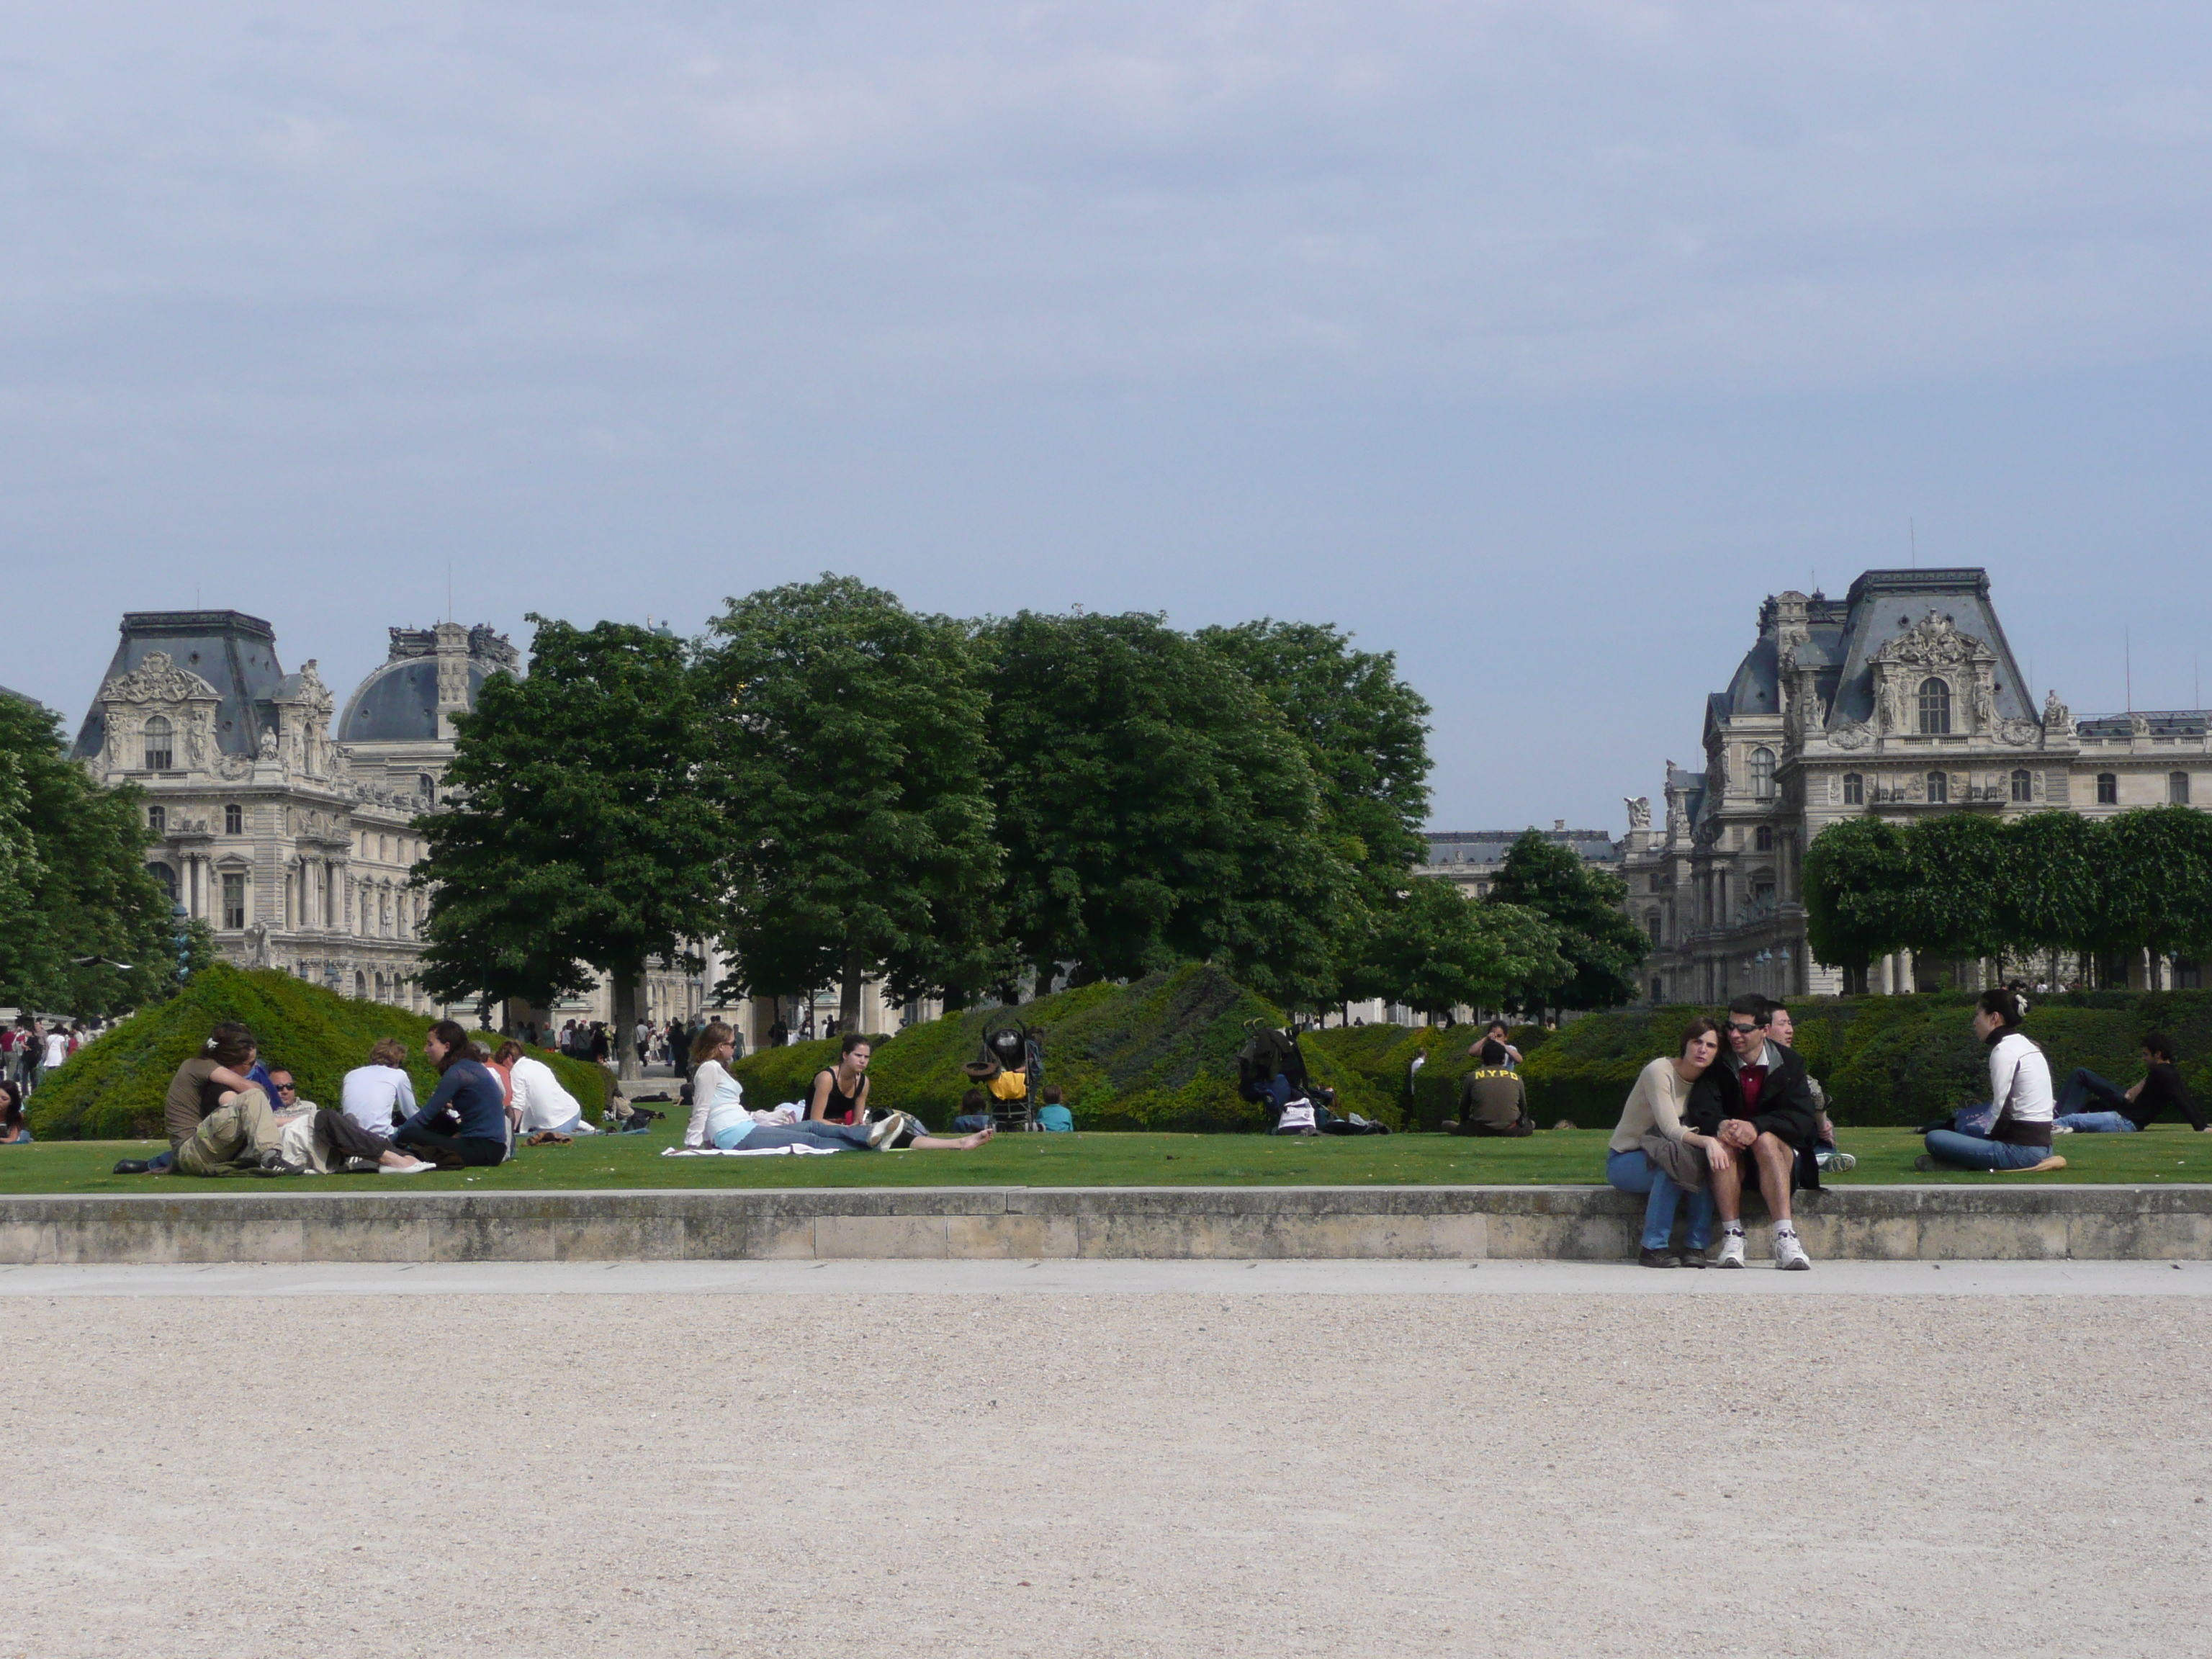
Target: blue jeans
<point x="764" y="1136"/>
<point x="1972" y="1152"/>
<point x="1632" y="1172"/>
<point x="2084" y="1086"/>
<point x="2095" y="1123"/>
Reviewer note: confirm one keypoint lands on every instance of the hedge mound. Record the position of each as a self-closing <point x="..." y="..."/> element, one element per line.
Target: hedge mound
<point x="1884" y="1061"/>
<point x="1159" y="1053"/>
<point x="113" y="1089"/>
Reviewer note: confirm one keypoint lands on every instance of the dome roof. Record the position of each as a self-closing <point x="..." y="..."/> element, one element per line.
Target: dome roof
<point x="398" y="703"/>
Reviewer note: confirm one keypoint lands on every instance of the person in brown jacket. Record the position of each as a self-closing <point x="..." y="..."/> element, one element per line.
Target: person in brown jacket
<point x="1491" y="1099"/>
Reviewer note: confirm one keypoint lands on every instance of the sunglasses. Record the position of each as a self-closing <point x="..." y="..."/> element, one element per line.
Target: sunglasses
<point x="287" y="1088"/>
<point x="1742" y="1030"/>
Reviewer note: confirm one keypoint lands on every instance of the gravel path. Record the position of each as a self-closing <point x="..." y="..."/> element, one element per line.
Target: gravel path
<point x="1142" y="1473"/>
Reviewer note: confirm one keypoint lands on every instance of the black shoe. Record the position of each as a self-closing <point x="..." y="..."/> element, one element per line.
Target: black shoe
<point x="1694" y="1257"/>
<point x="131" y="1166"/>
<point x="1658" y="1259"/>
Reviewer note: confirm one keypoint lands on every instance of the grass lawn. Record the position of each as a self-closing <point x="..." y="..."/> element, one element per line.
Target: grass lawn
<point x="1562" y="1156"/>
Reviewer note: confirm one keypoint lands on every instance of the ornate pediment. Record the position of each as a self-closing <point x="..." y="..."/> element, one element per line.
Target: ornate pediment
<point x="158" y="679"/>
<point x="1935" y="641"/>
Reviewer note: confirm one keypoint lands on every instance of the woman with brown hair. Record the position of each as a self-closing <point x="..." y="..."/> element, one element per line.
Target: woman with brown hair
<point x="468" y="1088"/>
<point x="1656" y="1153"/>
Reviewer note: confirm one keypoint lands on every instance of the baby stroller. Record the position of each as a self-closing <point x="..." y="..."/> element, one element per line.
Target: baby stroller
<point x="1011" y="1070"/>
<point x="1271" y="1073"/>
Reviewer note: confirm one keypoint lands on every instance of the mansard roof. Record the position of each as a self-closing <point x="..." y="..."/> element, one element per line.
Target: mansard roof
<point x="1884" y="604"/>
<point x="233" y="653"/>
<point x="1491" y="845"/>
<point x="398" y="701"/>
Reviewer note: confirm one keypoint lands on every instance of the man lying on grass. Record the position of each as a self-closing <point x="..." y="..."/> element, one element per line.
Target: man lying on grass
<point x="719" y="1117"/>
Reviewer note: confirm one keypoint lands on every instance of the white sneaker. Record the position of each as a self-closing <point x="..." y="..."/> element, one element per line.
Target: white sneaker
<point x="1789" y="1255"/>
<point x="405" y="1168"/>
<point x="2062" y="1128"/>
<point x="1731" y="1251"/>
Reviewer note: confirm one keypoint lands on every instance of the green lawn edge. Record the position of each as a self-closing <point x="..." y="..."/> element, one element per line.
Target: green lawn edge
<point x="2162" y="1155"/>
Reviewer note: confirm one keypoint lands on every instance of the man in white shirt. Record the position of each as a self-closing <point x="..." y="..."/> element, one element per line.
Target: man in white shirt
<point x="380" y="1094"/>
<point x="536" y="1094"/>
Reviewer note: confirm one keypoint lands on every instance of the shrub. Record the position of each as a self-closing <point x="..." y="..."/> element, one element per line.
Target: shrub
<point x="1158" y="1054"/>
<point x="113" y="1088"/>
<point x="1883" y="1061"/>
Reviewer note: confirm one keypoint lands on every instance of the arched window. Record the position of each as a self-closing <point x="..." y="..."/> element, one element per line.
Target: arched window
<point x="2177" y="788"/>
<point x="1652" y="922"/>
<point x="380" y="988"/>
<point x="1939" y="789"/>
<point x="157" y="820"/>
<point x="1658" y="990"/>
<point x="233" y="819"/>
<point x="360" y="983"/>
<point x="157" y="744"/>
<point x="1766" y="838"/>
<point x="165" y="876"/>
<point x="427" y="787"/>
<point x="1762" y="774"/>
<point x="1935" y="708"/>
<point x="2108" y="788"/>
<point x="1854" y="789"/>
<point x="2023" y="787"/>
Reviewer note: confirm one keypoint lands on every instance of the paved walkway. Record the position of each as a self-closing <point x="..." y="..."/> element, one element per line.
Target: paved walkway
<point x="1106" y="1460"/>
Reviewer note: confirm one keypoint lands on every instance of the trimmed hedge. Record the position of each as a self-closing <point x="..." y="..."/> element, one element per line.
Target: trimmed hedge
<point x="113" y="1089"/>
<point x="1159" y="1053"/>
<point x="1884" y="1061"/>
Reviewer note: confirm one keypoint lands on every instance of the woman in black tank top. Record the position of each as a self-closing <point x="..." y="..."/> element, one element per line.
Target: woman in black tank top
<point x="841" y="1091"/>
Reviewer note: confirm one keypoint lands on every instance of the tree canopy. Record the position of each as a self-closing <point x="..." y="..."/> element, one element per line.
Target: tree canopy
<point x="73" y="881"/>
<point x="577" y="835"/>
<point x="1434" y="950"/>
<point x="848" y="745"/>
<point x="1602" y="948"/>
<point x="1154" y="807"/>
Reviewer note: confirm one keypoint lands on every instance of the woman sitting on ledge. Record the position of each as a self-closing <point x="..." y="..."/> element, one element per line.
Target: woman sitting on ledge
<point x="719" y="1117"/>
<point x="2019" y="1137"/>
<point x="1652" y="1138"/>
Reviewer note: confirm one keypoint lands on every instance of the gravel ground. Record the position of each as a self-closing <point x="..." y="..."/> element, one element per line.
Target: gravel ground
<point x="1121" y="1475"/>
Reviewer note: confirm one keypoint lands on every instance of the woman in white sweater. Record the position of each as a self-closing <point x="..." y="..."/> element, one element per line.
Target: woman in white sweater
<point x="2019" y="1137"/>
<point x="719" y="1117"/>
<point x="1652" y="1135"/>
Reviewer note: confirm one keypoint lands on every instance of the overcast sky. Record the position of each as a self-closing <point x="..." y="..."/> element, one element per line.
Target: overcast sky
<point x="1535" y="342"/>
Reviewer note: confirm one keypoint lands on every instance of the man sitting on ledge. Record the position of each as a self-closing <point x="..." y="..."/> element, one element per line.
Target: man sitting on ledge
<point x="1757" y="1106"/>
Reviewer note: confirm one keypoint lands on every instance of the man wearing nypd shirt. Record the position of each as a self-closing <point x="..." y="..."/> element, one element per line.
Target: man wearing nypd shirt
<point x="1757" y="1103"/>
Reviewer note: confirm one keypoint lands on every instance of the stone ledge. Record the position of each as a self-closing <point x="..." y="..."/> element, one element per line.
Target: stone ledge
<point x="1575" y="1223"/>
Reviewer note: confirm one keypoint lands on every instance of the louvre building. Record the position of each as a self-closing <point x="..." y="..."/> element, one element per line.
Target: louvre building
<point x="1900" y="699"/>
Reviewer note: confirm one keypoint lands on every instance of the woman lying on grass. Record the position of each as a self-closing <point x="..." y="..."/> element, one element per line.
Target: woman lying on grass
<point x="719" y="1117"/>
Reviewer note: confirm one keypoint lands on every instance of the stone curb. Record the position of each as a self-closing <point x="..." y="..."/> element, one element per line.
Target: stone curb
<point x="1569" y="1223"/>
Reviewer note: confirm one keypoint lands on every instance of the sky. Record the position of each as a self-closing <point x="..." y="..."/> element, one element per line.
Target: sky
<point x="1535" y="343"/>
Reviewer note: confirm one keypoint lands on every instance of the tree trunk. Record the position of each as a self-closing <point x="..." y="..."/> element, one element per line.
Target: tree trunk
<point x="623" y="983"/>
<point x="848" y="995"/>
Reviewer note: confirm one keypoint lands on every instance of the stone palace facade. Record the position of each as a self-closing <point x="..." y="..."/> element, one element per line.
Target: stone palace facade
<point x="1901" y="699"/>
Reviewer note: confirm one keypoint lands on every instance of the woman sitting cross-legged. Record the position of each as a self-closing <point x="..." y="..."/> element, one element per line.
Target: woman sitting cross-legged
<point x="1652" y="1138"/>
<point x="469" y="1089"/>
<point x="2019" y="1137"/>
<point x="719" y="1117"/>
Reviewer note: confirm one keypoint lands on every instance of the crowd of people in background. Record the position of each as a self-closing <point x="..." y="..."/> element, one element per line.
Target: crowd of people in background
<point x="30" y="1050"/>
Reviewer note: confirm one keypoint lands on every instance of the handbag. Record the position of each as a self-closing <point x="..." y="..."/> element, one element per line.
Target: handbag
<point x="1679" y="1162"/>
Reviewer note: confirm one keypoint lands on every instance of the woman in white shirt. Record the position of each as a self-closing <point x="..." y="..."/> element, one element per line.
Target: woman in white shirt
<point x="380" y="1094"/>
<point x="719" y="1117"/>
<point x="536" y="1093"/>
<point x="2019" y="1138"/>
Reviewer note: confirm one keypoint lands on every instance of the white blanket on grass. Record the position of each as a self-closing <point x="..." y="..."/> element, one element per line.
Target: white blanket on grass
<point x="747" y="1151"/>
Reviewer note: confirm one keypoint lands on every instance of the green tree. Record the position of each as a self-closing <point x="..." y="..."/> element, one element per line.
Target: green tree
<point x="1600" y="945"/>
<point x="1433" y="951"/>
<point x="2158" y="879"/>
<point x="848" y="742"/>
<point x="1365" y="735"/>
<point x="2055" y="898"/>
<point x="77" y="897"/>
<point x="1964" y="868"/>
<point x="1858" y="892"/>
<point x="1155" y="809"/>
<point x="576" y="835"/>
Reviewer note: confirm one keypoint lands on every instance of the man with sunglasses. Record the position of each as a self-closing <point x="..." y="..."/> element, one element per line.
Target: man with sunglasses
<point x="1756" y="1104"/>
<point x="288" y="1094"/>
